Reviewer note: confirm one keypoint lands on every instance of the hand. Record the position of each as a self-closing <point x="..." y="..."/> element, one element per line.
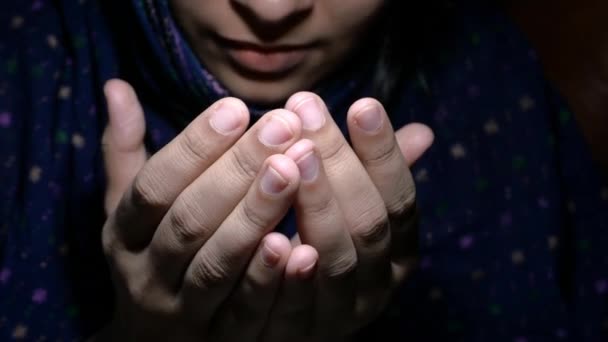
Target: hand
<point x="356" y="207"/>
<point x="187" y="235"/>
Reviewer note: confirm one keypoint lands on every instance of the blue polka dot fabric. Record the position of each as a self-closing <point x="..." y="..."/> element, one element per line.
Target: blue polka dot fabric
<point x="514" y="211"/>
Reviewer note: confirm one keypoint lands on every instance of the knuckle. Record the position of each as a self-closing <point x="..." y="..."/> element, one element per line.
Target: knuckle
<point x="343" y="268"/>
<point x="185" y="228"/>
<point x="372" y="227"/>
<point x="405" y="203"/>
<point x="143" y="193"/>
<point x="207" y="274"/>
<point x="384" y="154"/>
<point x="194" y="146"/>
<point x="253" y="218"/>
<point x="138" y="290"/>
<point x="244" y="164"/>
<point x="376" y="233"/>
<point x="335" y="153"/>
<point x="321" y="209"/>
<point x="149" y="298"/>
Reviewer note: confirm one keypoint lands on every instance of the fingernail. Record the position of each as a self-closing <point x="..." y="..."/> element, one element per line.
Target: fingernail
<point x="309" y="167"/>
<point x="275" y="132"/>
<point x="270" y="258"/>
<point x="305" y="273"/>
<point x="369" y="119"/>
<point x="272" y="182"/>
<point x="225" y="119"/>
<point x="310" y="113"/>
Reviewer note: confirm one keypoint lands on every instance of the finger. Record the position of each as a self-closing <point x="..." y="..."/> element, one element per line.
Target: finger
<point x="174" y="167"/>
<point x="361" y="203"/>
<point x="355" y="192"/>
<point x="292" y="315"/>
<point x="202" y="207"/>
<point x="413" y="140"/>
<point x="249" y="306"/>
<point x="217" y="266"/>
<point x="386" y="160"/>
<point x="321" y="225"/>
<point x="375" y="144"/>
<point x="123" y="140"/>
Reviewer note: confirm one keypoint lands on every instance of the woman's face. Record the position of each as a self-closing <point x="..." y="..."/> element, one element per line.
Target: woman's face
<point x="265" y="50"/>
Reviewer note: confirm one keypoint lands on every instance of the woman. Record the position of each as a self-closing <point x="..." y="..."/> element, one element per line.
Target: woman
<point x="489" y="263"/>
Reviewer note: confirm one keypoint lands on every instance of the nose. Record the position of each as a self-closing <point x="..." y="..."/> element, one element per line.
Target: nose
<point x="274" y="11"/>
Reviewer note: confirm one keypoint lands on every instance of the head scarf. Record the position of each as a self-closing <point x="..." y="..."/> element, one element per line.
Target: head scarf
<point x="514" y="213"/>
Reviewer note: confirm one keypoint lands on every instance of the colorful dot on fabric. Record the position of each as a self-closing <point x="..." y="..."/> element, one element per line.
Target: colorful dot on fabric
<point x="474" y="91"/>
<point x="518" y="257"/>
<point x="481" y="185"/>
<point x="561" y="334"/>
<point x="64" y="92"/>
<point x="79" y="42"/>
<point x="52" y="41"/>
<point x="526" y="103"/>
<point x="552" y="242"/>
<point x="475" y="39"/>
<point x="6" y="120"/>
<point x="37" y="71"/>
<point x="518" y="163"/>
<point x="458" y="151"/>
<point x="441" y="209"/>
<point x="435" y="294"/>
<point x="39" y="296"/>
<point x="61" y="137"/>
<point x="542" y="202"/>
<point x="477" y="275"/>
<point x="63" y="250"/>
<point x="72" y="311"/>
<point x="564" y="116"/>
<point x="466" y="241"/>
<point x="571" y="207"/>
<point x="20" y="332"/>
<point x="78" y="141"/>
<point x="11" y="66"/>
<point x="422" y="176"/>
<point x="495" y="309"/>
<point x="35" y="174"/>
<point x="5" y="275"/>
<point x="491" y="189"/>
<point x="506" y="219"/>
<point x="491" y="127"/>
<point x="584" y="245"/>
<point x="17" y="22"/>
<point x="426" y="263"/>
<point x="455" y="326"/>
<point x="601" y="287"/>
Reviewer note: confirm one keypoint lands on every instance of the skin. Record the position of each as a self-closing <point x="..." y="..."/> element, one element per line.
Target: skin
<point x="189" y="231"/>
<point x="333" y="27"/>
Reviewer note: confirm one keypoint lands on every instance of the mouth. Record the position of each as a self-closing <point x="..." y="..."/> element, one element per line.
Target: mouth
<point x="264" y="61"/>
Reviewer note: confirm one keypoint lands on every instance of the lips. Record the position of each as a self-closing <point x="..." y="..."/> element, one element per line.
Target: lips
<point x="264" y="60"/>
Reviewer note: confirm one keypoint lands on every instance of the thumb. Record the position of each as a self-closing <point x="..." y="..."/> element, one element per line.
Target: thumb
<point x="123" y="140"/>
<point x="413" y="140"/>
